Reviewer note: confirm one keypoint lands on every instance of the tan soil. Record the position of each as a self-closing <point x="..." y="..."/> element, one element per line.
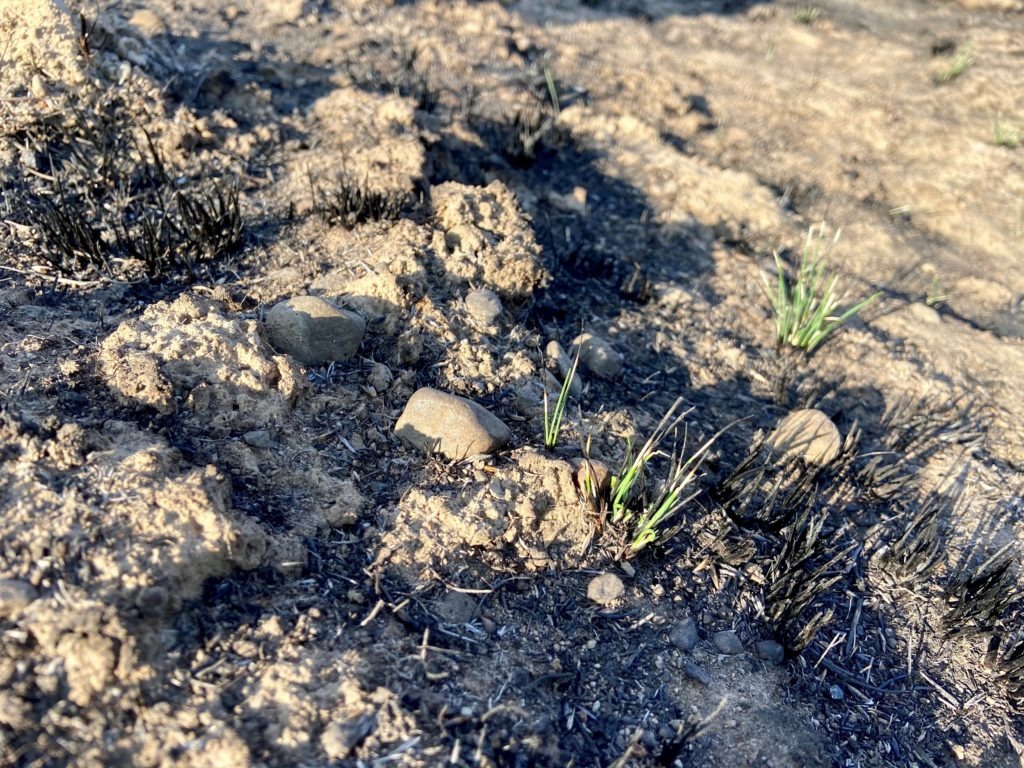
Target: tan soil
<point x="212" y="555"/>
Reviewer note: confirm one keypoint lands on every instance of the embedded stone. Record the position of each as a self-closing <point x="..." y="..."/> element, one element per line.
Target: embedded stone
<point x="685" y="635"/>
<point x="727" y="641"/>
<point x="598" y="356"/>
<point x="563" y="363"/>
<point x="605" y="589"/>
<point x="807" y="434"/>
<point x="484" y="307"/>
<point x="313" y="330"/>
<point x="453" y="426"/>
<point x="770" y="651"/>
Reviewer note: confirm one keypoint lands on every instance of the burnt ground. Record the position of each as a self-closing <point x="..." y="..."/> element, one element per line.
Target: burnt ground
<point x="212" y="555"/>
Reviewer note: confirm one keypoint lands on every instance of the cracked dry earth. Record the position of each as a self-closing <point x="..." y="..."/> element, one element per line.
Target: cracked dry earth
<point x="215" y="554"/>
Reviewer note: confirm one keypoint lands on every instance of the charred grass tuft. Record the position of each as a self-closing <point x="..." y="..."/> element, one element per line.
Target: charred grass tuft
<point x="104" y="203"/>
<point x="348" y="202"/>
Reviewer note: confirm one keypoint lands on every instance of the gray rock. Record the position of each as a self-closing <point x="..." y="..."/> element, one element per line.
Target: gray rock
<point x="340" y="738"/>
<point x="727" y="641"/>
<point x="530" y="398"/>
<point x="605" y="589"/>
<point x="258" y="438"/>
<point x="380" y="378"/>
<point x="837" y="693"/>
<point x="563" y="364"/>
<point x="451" y="425"/>
<point x="484" y="307"/>
<point x="696" y="672"/>
<point x="15" y="595"/>
<point x="807" y="434"/>
<point x="598" y="356"/>
<point x="770" y="651"/>
<point x="685" y="635"/>
<point x="313" y="330"/>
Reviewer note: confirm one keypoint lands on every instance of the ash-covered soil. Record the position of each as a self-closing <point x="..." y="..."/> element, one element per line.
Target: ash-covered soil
<point x="214" y="548"/>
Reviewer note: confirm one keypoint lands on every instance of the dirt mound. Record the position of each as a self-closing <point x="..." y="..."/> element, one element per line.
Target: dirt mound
<point x="190" y="354"/>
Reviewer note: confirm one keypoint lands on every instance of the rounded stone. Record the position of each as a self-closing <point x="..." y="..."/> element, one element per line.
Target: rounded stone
<point x="313" y="330"/>
<point x="453" y="426"/>
<point x="598" y="356"/>
<point x="605" y="589"/>
<point x="807" y="434"/>
<point x="727" y="641"/>
<point x="685" y="635"/>
<point x="563" y="363"/>
<point x="770" y="651"/>
<point x="484" y="307"/>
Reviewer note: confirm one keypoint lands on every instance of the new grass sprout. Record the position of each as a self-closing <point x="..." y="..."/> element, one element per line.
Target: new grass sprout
<point x="806" y="305"/>
<point x="962" y="59"/>
<point x="648" y="516"/>
<point x="1006" y="134"/>
<point x="553" y="417"/>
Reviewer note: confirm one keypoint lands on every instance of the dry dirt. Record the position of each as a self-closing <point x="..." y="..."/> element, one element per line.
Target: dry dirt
<point x="211" y="555"/>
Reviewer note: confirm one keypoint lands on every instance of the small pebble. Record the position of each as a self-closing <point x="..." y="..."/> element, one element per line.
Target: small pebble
<point x="598" y="356"/>
<point x="484" y="307"/>
<point x="258" y="438"/>
<point x="727" y="641"/>
<point x="695" y="672"/>
<point x="605" y="589"/>
<point x="685" y="635"/>
<point x="563" y="363"/>
<point x="770" y="651"/>
<point x="836" y="692"/>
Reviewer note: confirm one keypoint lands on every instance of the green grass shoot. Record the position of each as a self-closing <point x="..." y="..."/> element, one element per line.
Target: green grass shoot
<point x="805" y="306"/>
<point x="553" y="416"/>
<point x="962" y="59"/>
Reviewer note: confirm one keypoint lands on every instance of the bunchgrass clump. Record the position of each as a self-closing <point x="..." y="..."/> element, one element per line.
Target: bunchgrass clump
<point x="648" y="513"/>
<point x="1009" y="135"/>
<point x="962" y="59"/>
<point x="806" y="14"/>
<point x="806" y="305"/>
<point x="553" y="416"/>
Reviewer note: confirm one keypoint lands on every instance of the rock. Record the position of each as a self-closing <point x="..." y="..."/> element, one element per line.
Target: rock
<point x="925" y="314"/>
<point x="313" y="330"/>
<point x="563" y="363"/>
<point x="696" y="672"/>
<point x="807" y="434"/>
<point x="258" y="438"/>
<point x="593" y="474"/>
<point x="15" y="595"/>
<point x="727" y="641"/>
<point x="452" y="425"/>
<point x="484" y="307"/>
<point x="530" y="398"/>
<point x="837" y="693"/>
<point x="380" y="378"/>
<point x="684" y="635"/>
<point x="770" y="651"/>
<point x="605" y="589"/>
<point x="340" y="738"/>
<point x="598" y="356"/>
